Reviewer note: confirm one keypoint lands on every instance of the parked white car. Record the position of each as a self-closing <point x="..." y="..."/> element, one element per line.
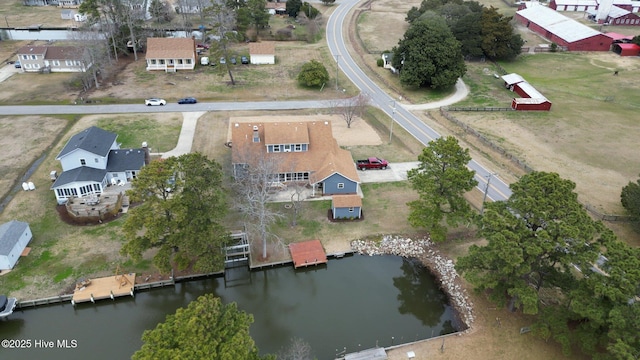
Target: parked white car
<point x="155" y="101"/>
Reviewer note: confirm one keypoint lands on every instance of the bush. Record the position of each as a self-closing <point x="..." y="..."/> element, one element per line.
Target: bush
<point x="313" y="74"/>
<point x="554" y="47"/>
<point x="380" y="62"/>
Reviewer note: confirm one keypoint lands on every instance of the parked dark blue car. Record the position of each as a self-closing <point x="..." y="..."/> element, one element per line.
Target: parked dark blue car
<point x="187" y="100"/>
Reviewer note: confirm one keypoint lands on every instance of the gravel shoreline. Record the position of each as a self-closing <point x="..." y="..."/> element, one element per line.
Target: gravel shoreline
<point x="439" y="265"/>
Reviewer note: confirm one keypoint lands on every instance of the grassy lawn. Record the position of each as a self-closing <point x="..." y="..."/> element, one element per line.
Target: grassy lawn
<point x="590" y="133"/>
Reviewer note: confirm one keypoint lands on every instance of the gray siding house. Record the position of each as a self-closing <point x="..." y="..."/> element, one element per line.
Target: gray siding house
<point x="54" y="59"/>
<point x="14" y="238"/>
<point x="92" y="160"/>
<point x="346" y="206"/>
<point x="337" y="183"/>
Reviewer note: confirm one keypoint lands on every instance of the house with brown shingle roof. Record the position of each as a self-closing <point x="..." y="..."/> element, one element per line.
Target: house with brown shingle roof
<point x="346" y="206"/>
<point x="171" y="54"/>
<point x="54" y="59"/>
<point x="299" y="150"/>
<point x="262" y="52"/>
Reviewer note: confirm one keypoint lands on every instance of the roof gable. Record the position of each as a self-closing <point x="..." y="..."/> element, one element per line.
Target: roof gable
<point x="512" y="78"/>
<point x="171" y="48"/>
<point x="10" y="233"/>
<point x="323" y="158"/>
<point x="32" y="50"/>
<point x="125" y="159"/>
<point x="262" y="48"/>
<point x="80" y="174"/>
<point x="558" y="24"/>
<point x="347" y="200"/>
<point x="94" y="140"/>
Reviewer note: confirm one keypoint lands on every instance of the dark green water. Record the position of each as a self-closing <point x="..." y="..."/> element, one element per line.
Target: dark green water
<point x="353" y="303"/>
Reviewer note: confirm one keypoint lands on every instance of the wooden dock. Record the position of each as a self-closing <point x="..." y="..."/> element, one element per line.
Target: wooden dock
<point x="307" y="253"/>
<point x="105" y="288"/>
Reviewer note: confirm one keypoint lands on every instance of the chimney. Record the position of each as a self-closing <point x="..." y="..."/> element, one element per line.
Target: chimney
<point x="256" y="136"/>
<point x="147" y="155"/>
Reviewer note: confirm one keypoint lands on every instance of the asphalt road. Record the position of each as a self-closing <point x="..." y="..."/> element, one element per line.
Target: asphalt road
<point x="487" y="180"/>
<point x="398" y="114"/>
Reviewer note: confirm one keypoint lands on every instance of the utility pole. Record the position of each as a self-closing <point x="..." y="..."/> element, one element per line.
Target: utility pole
<point x="337" y="68"/>
<point x="393" y="115"/>
<point x="486" y="190"/>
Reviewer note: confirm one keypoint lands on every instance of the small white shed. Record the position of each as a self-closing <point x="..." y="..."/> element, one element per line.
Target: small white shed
<point x="79" y="17"/>
<point x="14" y="238"/>
<point x="262" y="52"/>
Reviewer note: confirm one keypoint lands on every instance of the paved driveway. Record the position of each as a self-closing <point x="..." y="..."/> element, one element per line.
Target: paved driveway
<point x="395" y="172"/>
<point x="7" y="71"/>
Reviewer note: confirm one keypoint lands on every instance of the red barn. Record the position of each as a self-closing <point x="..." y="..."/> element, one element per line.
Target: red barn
<point x="623" y="49"/>
<point x="525" y="90"/>
<point x="527" y="104"/>
<point x="561" y="29"/>
<point x="621" y="16"/>
<point x="573" y="5"/>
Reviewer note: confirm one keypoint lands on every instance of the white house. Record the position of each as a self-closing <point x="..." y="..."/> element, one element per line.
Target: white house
<point x="14" y="238"/>
<point x="54" y="58"/>
<point x="262" y="52"/>
<point x="171" y="54"/>
<point x="93" y="160"/>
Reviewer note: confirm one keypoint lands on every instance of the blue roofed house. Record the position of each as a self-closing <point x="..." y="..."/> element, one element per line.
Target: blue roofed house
<point x="14" y="238"/>
<point x="92" y="160"/>
<point x="305" y="151"/>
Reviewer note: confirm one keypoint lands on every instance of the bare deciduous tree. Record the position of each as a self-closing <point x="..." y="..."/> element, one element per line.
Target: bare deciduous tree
<point x="254" y="183"/>
<point x="298" y="349"/>
<point x="96" y="55"/>
<point x="351" y="108"/>
<point x="223" y="21"/>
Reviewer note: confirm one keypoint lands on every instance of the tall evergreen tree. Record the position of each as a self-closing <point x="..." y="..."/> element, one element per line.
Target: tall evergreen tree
<point x="429" y="55"/>
<point x="441" y="179"/>
<point x="205" y="329"/>
<point x="535" y="238"/>
<point x="499" y="42"/>
<point x="182" y="204"/>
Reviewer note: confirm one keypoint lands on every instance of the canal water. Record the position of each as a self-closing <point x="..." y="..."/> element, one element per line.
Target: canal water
<point x="350" y="304"/>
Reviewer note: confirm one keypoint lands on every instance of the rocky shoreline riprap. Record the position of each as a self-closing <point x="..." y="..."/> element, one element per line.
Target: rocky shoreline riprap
<point x="441" y="267"/>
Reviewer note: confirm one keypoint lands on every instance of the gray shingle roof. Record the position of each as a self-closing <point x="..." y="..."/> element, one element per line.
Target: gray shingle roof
<point x="10" y="234"/>
<point x="93" y="139"/>
<point x="83" y="173"/>
<point x="125" y="159"/>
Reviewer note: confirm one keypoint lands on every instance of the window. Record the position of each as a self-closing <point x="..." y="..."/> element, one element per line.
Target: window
<point x="161" y="61"/>
<point x="170" y="61"/>
<point x="340" y="186"/>
<point x="350" y="209"/>
<point x="37" y="66"/>
<point x="25" y="57"/>
<point x="83" y="162"/>
<point x="68" y="62"/>
<point x="115" y="174"/>
<point x="153" y="61"/>
<point x="56" y="63"/>
<point x="297" y="147"/>
<point x="276" y="148"/>
<point x="179" y="61"/>
<point x="33" y="57"/>
<point x="27" y="66"/>
<point x="96" y="159"/>
<point x="188" y="61"/>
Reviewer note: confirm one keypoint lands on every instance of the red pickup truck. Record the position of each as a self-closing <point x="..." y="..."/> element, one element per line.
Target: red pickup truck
<point x="372" y="163"/>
